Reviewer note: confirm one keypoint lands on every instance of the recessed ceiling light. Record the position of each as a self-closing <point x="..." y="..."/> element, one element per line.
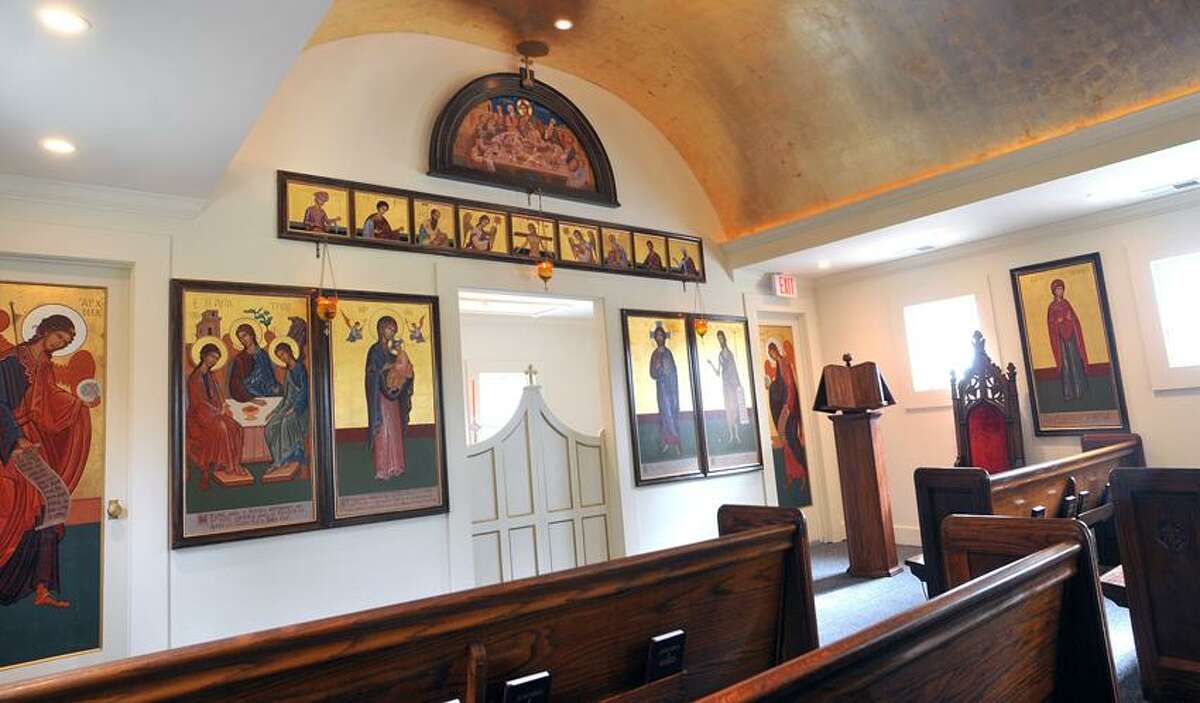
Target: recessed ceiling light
<point x="63" y="21"/>
<point x="55" y="145"/>
<point x="564" y="24"/>
<point x="824" y="264"/>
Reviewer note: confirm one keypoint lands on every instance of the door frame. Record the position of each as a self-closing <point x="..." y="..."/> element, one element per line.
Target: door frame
<point x="146" y="259"/>
<point x="466" y="275"/>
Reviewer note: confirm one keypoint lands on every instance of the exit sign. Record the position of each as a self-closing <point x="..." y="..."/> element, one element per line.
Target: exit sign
<point x="785" y="285"/>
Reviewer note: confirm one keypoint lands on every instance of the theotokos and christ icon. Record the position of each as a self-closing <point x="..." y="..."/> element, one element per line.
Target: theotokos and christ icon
<point x="52" y="432"/>
<point x="387" y="450"/>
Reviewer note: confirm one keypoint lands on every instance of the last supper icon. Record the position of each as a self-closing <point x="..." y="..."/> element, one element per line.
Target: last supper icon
<point x="525" y="136"/>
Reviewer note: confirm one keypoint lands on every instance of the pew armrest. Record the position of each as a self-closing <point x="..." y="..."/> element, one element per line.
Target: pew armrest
<point x="1112" y="583"/>
<point x="1096" y="515"/>
<point x="916" y="564"/>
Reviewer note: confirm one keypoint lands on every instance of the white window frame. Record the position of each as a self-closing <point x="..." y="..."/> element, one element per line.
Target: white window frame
<point x="1141" y="254"/>
<point x="937" y="288"/>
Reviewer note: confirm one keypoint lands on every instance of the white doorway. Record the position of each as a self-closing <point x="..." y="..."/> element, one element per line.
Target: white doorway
<point x="93" y="552"/>
<point x="503" y="334"/>
<point x="544" y="496"/>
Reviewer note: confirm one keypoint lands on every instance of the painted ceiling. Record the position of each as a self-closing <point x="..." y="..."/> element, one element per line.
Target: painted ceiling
<point x="785" y="109"/>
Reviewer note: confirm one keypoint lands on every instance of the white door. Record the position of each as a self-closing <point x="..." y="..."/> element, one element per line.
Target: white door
<point x="82" y="616"/>
<point x="539" y="497"/>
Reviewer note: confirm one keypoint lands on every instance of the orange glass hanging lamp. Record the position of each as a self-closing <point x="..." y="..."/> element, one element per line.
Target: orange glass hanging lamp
<point x="545" y="265"/>
<point x="545" y="270"/>
<point x="327" y="301"/>
<point x="700" y="324"/>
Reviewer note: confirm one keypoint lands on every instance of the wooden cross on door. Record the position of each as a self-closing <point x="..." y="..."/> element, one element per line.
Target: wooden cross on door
<point x="531" y="373"/>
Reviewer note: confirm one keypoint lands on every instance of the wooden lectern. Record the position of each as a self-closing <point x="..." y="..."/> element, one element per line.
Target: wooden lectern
<point x="853" y="396"/>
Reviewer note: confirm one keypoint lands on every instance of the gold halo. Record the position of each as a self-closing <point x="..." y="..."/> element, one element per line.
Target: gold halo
<point x="35" y="316"/>
<point x="260" y="332"/>
<point x="215" y="341"/>
<point x="291" y="343"/>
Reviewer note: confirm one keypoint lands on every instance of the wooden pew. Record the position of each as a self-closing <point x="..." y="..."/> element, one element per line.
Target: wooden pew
<point x="1053" y="487"/>
<point x="744" y="600"/>
<point x="1158" y="516"/>
<point x="1032" y="629"/>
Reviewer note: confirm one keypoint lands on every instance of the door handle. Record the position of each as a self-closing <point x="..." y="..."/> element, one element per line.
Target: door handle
<point x="116" y="511"/>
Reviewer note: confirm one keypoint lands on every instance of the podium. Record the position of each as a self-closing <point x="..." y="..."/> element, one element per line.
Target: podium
<point x="853" y="395"/>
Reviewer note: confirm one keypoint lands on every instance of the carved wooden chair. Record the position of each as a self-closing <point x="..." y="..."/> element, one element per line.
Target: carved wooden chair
<point x="987" y="423"/>
<point x="987" y="417"/>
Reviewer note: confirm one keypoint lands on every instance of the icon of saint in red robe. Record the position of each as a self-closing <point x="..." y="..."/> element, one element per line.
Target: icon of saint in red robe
<point x="37" y="416"/>
<point x="1066" y="339"/>
<point x="214" y="438"/>
<point x="785" y="411"/>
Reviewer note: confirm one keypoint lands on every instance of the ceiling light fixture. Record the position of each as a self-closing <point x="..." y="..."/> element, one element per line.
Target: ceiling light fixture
<point x="55" y="145"/>
<point x="529" y="50"/>
<point x="564" y="24"/>
<point x="824" y="264"/>
<point x="63" y="21"/>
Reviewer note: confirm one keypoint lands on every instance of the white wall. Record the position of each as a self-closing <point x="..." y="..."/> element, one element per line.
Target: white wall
<point x="318" y="123"/>
<point x="859" y="312"/>
<point x="363" y="109"/>
<point x="566" y="352"/>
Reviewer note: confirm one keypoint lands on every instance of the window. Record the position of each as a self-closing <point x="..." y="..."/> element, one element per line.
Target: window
<point x="497" y="395"/>
<point x="1176" y="290"/>
<point x="939" y="339"/>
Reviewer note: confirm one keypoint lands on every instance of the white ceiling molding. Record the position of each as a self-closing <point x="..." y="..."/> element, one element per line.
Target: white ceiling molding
<point x="1084" y="223"/>
<point x="93" y="197"/>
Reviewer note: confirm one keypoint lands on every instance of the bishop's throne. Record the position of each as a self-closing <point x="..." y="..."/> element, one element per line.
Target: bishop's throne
<point x="987" y="420"/>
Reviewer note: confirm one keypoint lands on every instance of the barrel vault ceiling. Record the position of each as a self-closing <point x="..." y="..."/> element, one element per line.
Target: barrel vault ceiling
<point x="786" y="109"/>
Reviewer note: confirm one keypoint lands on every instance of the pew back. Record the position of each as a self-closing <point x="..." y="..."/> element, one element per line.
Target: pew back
<point x="1013" y="634"/>
<point x="589" y="627"/>
<point x="1017" y="492"/>
<point x="1158" y="516"/>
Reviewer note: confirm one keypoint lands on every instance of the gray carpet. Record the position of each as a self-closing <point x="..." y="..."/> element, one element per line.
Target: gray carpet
<point x="846" y="605"/>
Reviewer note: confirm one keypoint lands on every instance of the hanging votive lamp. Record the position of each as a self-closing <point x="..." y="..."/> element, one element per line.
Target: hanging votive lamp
<point x="327" y="307"/>
<point x="327" y="303"/>
<point x="701" y="326"/>
<point x="545" y="271"/>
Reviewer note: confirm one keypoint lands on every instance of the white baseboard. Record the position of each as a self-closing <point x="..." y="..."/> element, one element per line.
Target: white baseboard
<point x="908" y="535"/>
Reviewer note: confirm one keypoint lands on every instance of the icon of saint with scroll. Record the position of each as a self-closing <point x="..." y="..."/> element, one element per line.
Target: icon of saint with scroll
<point x="45" y="437"/>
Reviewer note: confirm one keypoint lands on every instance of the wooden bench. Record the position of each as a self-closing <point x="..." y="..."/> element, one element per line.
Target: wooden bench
<point x="1158" y="516"/>
<point x="1030" y="629"/>
<point x="745" y="601"/>
<point x="1075" y="486"/>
